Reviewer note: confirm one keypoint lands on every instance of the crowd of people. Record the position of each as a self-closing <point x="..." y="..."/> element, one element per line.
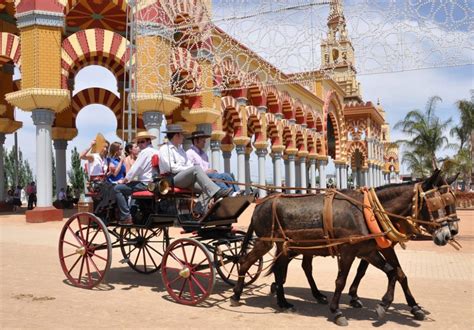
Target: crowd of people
<point x="17" y="195"/>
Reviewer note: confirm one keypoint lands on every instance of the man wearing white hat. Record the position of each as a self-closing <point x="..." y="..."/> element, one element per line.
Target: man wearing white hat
<point x="141" y="170"/>
<point x="173" y="159"/>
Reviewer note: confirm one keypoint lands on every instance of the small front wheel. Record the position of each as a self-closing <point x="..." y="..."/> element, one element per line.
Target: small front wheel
<point x="188" y="271"/>
<point x="85" y="250"/>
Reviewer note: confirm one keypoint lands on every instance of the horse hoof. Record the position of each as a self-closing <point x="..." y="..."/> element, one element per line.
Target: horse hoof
<point x="289" y="310"/>
<point x="234" y="302"/>
<point x="341" y="321"/>
<point x="273" y="288"/>
<point x="356" y="303"/>
<point x="380" y="310"/>
<point x="322" y="299"/>
<point x="418" y="313"/>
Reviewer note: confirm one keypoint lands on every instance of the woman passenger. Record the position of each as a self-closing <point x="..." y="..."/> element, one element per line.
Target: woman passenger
<point x="115" y="163"/>
<point x="131" y="150"/>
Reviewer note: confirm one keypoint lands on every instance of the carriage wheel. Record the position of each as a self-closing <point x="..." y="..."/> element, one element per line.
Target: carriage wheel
<point x="226" y="257"/>
<point x="85" y="250"/>
<point x="143" y="248"/>
<point x="188" y="271"/>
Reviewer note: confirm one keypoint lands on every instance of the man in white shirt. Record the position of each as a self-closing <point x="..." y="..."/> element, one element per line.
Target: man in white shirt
<point x="173" y="159"/>
<point x="137" y="178"/>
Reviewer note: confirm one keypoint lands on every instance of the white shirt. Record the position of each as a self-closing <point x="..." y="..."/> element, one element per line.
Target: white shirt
<point x="98" y="166"/>
<point x="172" y="159"/>
<point x="141" y="170"/>
<point x="198" y="157"/>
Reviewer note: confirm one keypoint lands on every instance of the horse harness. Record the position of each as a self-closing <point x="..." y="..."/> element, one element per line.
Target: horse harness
<point x="435" y="200"/>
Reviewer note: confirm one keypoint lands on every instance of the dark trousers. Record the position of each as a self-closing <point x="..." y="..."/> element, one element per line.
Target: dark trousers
<point x="123" y="192"/>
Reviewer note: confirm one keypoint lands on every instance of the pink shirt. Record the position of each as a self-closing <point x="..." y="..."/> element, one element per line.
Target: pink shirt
<point x="198" y="157"/>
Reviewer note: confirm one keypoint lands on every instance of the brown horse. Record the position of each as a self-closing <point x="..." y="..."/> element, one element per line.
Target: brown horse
<point x="301" y="222"/>
<point x="390" y="256"/>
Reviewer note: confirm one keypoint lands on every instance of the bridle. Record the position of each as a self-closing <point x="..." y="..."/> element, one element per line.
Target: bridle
<point x="435" y="199"/>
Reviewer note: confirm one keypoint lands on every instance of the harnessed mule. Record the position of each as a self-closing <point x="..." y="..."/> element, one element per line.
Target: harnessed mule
<point x="296" y="225"/>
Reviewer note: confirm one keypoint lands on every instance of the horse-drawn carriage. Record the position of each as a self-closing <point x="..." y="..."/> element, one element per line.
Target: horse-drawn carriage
<point x="188" y="264"/>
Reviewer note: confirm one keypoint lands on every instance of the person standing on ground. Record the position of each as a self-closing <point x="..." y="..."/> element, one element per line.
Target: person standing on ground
<point x="31" y="192"/>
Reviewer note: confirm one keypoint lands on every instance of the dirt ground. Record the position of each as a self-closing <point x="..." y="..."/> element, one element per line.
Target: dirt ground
<point x="34" y="292"/>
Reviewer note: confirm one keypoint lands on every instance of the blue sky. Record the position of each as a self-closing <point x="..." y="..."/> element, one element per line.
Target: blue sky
<point x="399" y="92"/>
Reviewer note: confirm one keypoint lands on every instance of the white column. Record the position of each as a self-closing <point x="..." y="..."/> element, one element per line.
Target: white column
<point x="322" y="173"/>
<point x="370" y="182"/>
<point x="312" y="174"/>
<point x="216" y="155"/>
<point x="355" y="179"/>
<point x="152" y="121"/>
<point x="338" y="176"/>
<point x="297" y="174"/>
<point x="227" y="155"/>
<point x="287" y="174"/>
<point x="2" y="177"/>
<point x="277" y="169"/>
<point x="207" y="129"/>
<point x="261" y="153"/>
<point x="43" y="119"/>
<point x="240" y="149"/>
<point x="291" y="172"/>
<point x="303" y="175"/>
<point x="366" y="177"/>
<point x="344" y="176"/>
<point x="248" y="180"/>
<point x="60" y="147"/>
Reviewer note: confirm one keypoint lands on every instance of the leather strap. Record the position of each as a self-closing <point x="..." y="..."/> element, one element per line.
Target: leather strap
<point x="328" y="227"/>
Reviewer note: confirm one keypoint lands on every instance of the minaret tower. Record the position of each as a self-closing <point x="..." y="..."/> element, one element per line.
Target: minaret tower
<point x="337" y="53"/>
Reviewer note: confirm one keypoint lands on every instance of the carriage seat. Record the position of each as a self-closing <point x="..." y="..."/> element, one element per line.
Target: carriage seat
<point x="155" y="164"/>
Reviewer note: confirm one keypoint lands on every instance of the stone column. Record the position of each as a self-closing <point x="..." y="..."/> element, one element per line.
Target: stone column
<point x="338" y="176"/>
<point x="152" y="121"/>
<point x="43" y="119"/>
<point x="355" y="179"/>
<point x="240" y="149"/>
<point x="287" y="173"/>
<point x="370" y="182"/>
<point x="303" y="175"/>
<point x="248" y="179"/>
<point x="312" y="173"/>
<point x="322" y="173"/>
<point x="60" y="147"/>
<point x="365" y="172"/>
<point x="226" y="155"/>
<point x="216" y="155"/>
<point x="277" y="169"/>
<point x="261" y="153"/>
<point x="2" y="177"/>
<point x="344" y="176"/>
<point x="297" y="174"/>
<point x="291" y="172"/>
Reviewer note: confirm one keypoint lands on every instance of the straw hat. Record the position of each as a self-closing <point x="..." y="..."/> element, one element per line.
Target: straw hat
<point x="143" y="135"/>
<point x="198" y="134"/>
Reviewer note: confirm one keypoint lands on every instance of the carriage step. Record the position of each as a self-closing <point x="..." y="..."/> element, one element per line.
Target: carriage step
<point x="124" y="261"/>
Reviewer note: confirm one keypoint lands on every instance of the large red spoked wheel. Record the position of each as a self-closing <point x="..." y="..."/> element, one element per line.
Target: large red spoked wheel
<point x="85" y="250"/>
<point x="143" y="248"/>
<point x="227" y="255"/>
<point x="188" y="271"/>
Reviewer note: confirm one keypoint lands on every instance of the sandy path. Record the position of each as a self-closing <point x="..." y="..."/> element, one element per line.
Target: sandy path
<point x="34" y="293"/>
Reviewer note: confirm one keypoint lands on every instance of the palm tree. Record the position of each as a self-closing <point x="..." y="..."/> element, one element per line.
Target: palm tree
<point x="426" y="131"/>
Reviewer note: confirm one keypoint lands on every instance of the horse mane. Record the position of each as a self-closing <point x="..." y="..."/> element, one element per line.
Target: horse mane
<point x="393" y="190"/>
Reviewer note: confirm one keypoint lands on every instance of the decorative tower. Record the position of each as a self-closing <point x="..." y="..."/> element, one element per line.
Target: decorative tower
<point x="337" y="53"/>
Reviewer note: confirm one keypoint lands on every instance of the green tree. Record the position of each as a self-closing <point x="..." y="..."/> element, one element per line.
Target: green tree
<point x="25" y="174"/>
<point x="426" y="132"/>
<point x="76" y="174"/>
